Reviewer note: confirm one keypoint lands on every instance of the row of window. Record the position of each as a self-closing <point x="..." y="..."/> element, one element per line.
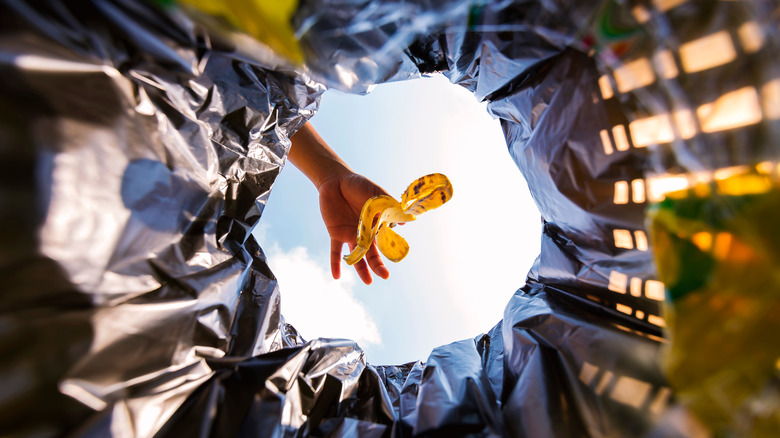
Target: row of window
<point x="735" y="109"/>
<point x="622" y="284"/>
<point x="627" y="240"/>
<point x="624" y="389"/>
<point x="636" y="287"/>
<point x="698" y="55"/>
<point x="751" y="180"/>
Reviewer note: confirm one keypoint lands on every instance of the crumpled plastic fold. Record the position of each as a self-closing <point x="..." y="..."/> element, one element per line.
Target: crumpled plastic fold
<point x="139" y="144"/>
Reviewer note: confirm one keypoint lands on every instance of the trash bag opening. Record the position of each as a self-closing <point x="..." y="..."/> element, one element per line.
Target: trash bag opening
<point x="466" y="258"/>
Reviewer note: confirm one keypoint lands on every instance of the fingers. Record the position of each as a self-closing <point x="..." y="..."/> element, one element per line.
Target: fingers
<point x="371" y="259"/>
<point x="335" y="262"/>
<point x="362" y="270"/>
<point x="335" y="258"/>
<point x="376" y="263"/>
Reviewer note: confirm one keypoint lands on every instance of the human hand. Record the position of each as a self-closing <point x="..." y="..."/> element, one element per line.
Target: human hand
<point x="341" y="200"/>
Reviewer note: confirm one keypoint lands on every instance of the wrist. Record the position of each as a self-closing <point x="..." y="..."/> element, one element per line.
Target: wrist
<point x="312" y="156"/>
<point x="330" y="171"/>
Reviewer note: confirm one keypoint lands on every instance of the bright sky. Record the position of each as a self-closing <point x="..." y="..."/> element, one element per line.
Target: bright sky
<point x="466" y="258"/>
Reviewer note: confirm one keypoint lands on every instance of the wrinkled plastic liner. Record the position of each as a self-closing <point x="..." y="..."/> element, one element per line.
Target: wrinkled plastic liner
<point x="139" y="146"/>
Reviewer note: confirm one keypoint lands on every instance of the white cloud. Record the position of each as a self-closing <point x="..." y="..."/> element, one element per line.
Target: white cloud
<point x="315" y="304"/>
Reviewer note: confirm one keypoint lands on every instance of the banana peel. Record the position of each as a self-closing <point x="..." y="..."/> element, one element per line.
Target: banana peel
<point x="381" y="213"/>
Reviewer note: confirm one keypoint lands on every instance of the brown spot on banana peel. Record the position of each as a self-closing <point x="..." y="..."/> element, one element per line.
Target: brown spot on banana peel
<point x="418" y="185"/>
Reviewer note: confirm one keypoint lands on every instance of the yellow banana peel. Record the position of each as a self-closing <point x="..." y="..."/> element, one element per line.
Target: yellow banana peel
<point x="381" y="213"/>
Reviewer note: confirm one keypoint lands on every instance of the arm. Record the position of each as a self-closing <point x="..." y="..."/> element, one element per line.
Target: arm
<point x="342" y="193"/>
